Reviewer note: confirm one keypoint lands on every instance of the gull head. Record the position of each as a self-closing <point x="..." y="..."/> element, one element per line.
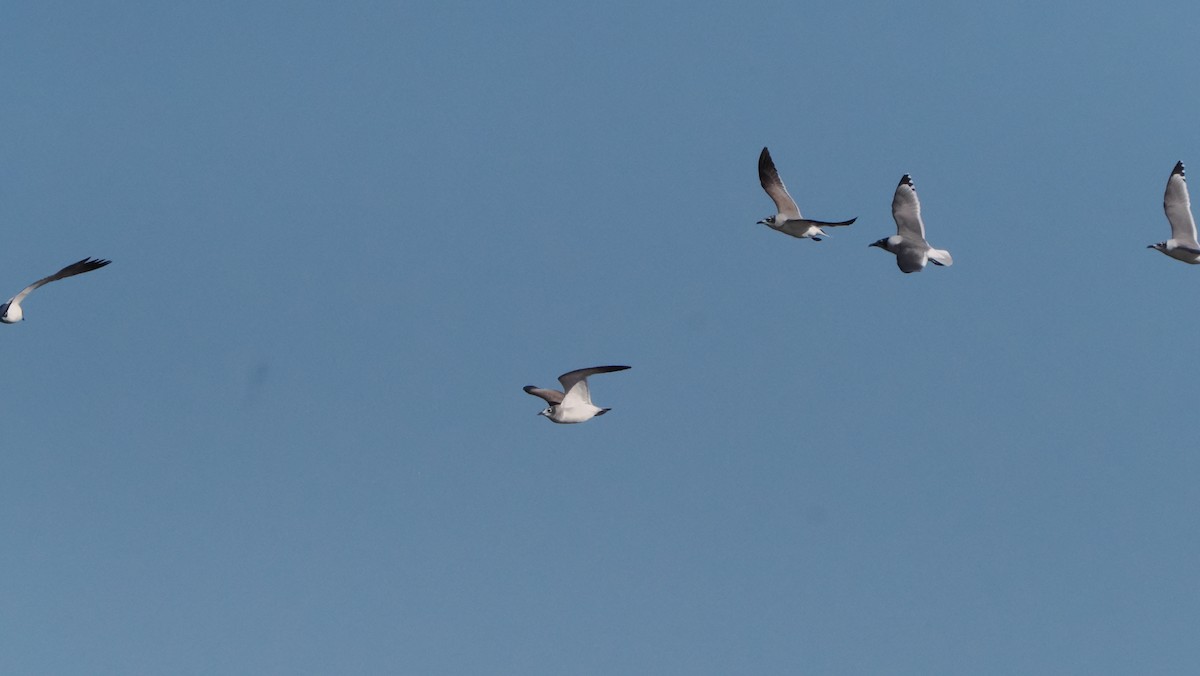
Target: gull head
<point x="547" y="412"/>
<point x="1161" y="246"/>
<point x="769" y="220"/>
<point x="891" y="244"/>
<point x="11" y="314"/>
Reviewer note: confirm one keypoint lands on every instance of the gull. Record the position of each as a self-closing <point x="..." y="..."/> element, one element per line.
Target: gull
<point x="10" y="312"/>
<point x="576" y="405"/>
<point x="909" y="245"/>
<point x="788" y="220"/>
<point x="1182" y="246"/>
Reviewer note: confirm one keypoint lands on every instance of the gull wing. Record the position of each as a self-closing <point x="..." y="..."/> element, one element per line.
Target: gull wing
<point x="906" y="209"/>
<point x="769" y="178"/>
<point x="575" y="384"/>
<point x="78" y="268"/>
<point x="799" y="227"/>
<point x="1179" y="209"/>
<point x="552" y="397"/>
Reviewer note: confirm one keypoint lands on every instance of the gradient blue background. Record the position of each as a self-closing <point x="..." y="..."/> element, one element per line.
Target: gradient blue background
<point x="284" y="432"/>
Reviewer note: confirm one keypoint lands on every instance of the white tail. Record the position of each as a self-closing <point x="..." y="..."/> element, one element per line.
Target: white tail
<point x="940" y="257"/>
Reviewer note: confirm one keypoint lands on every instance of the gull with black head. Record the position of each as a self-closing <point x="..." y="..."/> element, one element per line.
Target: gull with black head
<point x="788" y="219"/>
<point x="574" y="403"/>
<point x="909" y="245"/>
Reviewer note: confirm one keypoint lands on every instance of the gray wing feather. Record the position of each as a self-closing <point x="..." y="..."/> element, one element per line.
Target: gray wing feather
<point x="768" y="176"/>
<point x="906" y="209"/>
<point x="575" y="382"/>
<point x="551" y="396"/>
<point x="1178" y="207"/>
<point x="831" y="224"/>
<point x="799" y="226"/>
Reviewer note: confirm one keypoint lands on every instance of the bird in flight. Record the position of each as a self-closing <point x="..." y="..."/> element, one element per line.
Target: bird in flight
<point x="11" y="313"/>
<point x="909" y="245"/>
<point x="574" y="403"/>
<point x="1182" y="246"/>
<point x="788" y="219"/>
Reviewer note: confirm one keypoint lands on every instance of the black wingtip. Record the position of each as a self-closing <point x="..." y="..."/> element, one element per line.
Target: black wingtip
<point x="80" y="267"/>
<point x="529" y="388"/>
<point x="765" y="163"/>
<point x="767" y="174"/>
<point x="906" y="180"/>
<point x="1179" y="169"/>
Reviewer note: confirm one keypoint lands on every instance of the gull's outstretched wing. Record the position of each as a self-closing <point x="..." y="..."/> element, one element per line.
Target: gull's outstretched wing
<point x="769" y="178"/>
<point x="906" y="209"/>
<point x="552" y="397"/>
<point x="85" y="265"/>
<point x="830" y="224"/>
<point x="575" y="384"/>
<point x="799" y="227"/>
<point x="1179" y="209"/>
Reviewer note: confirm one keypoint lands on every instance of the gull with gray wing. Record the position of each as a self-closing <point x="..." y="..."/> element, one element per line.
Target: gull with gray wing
<point x="11" y="313"/>
<point x="788" y="219"/>
<point x="574" y="403"/>
<point x="909" y="245"/>
<point x="1182" y="246"/>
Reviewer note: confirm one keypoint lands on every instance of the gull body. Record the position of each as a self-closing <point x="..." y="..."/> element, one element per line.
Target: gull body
<point x="11" y="312"/>
<point x="1182" y="246"/>
<point x="909" y="245"/>
<point x="788" y="219"/>
<point x="574" y="403"/>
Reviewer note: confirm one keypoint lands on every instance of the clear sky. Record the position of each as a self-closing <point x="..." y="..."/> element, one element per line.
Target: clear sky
<point x="284" y="432"/>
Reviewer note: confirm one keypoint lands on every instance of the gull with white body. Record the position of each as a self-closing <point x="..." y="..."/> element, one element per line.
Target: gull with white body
<point x="11" y="313"/>
<point x="1182" y="246"/>
<point x="909" y="245"/>
<point x="788" y="219"/>
<point x="574" y="403"/>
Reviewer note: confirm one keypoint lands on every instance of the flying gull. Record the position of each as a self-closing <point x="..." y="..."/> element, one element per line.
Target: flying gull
<point x="909" y="245"/>
<point x="788" y="220"/>
<point x="10" y="312"/>
<point x="1182" y="245"/>
<point x="576" y="405"/>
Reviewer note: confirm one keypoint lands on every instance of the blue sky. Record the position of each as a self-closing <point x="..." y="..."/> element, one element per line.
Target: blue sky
<point x="284" y="431"/>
